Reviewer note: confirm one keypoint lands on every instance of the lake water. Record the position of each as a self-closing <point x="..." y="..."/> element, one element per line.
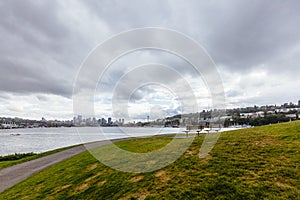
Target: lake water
<point x="44" y="139"/>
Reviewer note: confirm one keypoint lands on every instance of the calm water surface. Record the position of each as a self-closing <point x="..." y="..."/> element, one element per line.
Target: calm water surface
<point x="44" y="139"/>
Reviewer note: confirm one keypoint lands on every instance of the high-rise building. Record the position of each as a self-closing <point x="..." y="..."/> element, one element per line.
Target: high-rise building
<point x="94" y="121"/>
<point x="299" y="103"/>
<point x="79" y="118"/>
<point x="109" y="121"/>
<point x="103" y="122"/>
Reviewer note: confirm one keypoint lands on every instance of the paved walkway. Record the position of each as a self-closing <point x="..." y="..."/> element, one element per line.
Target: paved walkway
<point x="12" y="175"/>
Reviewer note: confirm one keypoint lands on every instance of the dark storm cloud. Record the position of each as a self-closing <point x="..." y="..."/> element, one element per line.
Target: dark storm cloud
<point x="38" y="54"/>
<point x="247" y="33"/>
<point x="240" y="35"/>
<point x="19" y="78"/>
<point x="27" y="17"/>
<point x="42" y="47"/>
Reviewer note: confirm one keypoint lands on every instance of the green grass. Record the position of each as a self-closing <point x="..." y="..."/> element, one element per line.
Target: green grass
<point x="13" y="159"/>
<point x="16" y="156"/>
<point x="257" y="163"/>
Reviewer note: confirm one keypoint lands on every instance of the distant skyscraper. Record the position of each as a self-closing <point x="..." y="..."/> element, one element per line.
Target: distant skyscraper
<point x="103" y="122"/>
<point x="79" y="118"/>
<point x="94" y="121"/>
<point x="109" y="120"/>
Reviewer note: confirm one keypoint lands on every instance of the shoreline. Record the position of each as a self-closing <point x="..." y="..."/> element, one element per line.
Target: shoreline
<point x="47" y="139"/>
<point x="12" y="175"/>
<point x="79" y="139"/>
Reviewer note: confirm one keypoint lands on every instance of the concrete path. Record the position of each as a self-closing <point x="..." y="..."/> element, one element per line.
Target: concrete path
<point x="12" y="175"/>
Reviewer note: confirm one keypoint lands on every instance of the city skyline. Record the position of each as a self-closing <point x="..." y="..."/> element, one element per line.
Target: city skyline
<point x="281" y="108"/>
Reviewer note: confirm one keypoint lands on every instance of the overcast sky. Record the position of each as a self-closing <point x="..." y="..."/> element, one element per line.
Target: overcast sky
<point x="254" y="44"/>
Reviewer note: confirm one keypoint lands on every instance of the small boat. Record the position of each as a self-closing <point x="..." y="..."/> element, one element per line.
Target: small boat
<point x="15" y="134"/>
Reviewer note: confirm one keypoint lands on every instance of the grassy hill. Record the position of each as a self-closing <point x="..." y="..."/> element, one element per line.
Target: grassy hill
<point x="257" y="163"/>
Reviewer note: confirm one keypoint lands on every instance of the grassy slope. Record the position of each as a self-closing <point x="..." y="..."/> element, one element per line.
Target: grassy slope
<point x="258" y="163"/>
<point x="8" y="163"/>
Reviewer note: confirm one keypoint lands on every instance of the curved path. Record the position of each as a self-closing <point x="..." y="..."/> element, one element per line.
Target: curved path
<point x="12" y="175"/>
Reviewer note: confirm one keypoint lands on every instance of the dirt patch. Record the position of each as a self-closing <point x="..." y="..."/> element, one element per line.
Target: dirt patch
<point x="181" y="174"/>
<point x="82" y="187"/>
<point x="267" y="142"/>
<point x="139" y="195"/>
<point x="92" y="177"/>
<point x="206" y="159"/>
<point x="92" y="167"/>
<point x="283" y="185"/>
<point x="260" y="143"/>
<point x="47" y="198"/>
<point x="98" y="174"/>
<point x="101" y="183"/>
<point x="191" y="153"/>
<point x="89" y="179"/>
<point x="60" y="188"/>
<point x="163" y="175"/>
<point x="136" y="179"/>
<point x="251" y="181"/>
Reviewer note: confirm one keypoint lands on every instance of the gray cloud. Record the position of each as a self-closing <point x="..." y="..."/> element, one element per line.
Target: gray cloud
<point x="122" y="15"/>
<point x="39" y="51"/>
<point x="19" y="78"/>
<point x="44" y="42"/>
<point x="251" y="33"/>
